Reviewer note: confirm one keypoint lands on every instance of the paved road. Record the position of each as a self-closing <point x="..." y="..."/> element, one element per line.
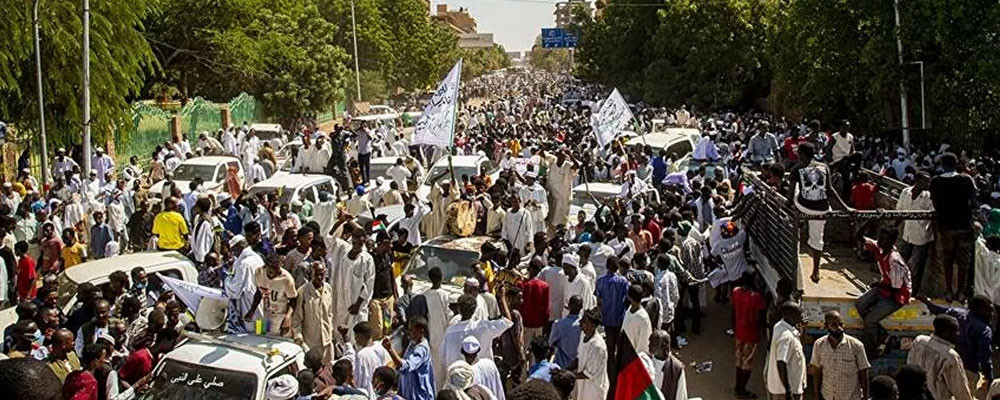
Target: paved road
<point x="714" y="345"/>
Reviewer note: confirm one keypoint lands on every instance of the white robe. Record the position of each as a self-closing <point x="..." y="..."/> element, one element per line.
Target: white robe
<point x="486" y="374"/>
<point x="593" y="362"/>
<point x="518" y="228"/>
<point x="581" y="286"/>
<point x="539" y="210"/>
<point x="484" y="331"/>
<point x="412" y="224"/>
<point x="560" y="191"/>
<point x="351" y="279"/>
<point x="637" y="327"/>
<point x="438" y="315"/>
<point x="239" y="287"/>
<point x="436" y="223"/>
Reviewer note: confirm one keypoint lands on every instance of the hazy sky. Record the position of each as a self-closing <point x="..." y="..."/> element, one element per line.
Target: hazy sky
<point x="513" y="23"/>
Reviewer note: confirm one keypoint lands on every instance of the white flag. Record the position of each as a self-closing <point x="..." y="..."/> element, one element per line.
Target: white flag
<point x="609" y="121"/>
<point x="190" y="293"/>
<point x="436" y="126"/>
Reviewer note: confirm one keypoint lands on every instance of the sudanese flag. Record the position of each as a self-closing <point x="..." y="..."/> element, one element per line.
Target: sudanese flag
<point x="633" y="381"/>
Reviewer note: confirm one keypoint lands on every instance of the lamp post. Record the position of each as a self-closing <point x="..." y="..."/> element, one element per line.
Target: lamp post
<point x="923" y="105"/>
<point x="86" y="86"/>
<point x="904" y="113"/>
<point x="41" y="99"/>
<point x="357" y="73"/>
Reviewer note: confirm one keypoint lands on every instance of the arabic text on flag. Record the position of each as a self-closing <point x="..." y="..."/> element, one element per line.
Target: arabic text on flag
<point x="437" y="124"/>
<point x="613" y="116"/>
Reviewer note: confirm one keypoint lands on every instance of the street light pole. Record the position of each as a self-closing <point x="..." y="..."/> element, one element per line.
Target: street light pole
<point x="86" y="86"/>
<point x="41" y="99"/>
<point x="923" y="105"/>
<point x="357" y="73"/>
<point x="904" y="114"/>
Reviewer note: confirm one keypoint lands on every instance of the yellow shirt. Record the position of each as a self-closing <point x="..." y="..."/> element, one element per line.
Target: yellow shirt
<point x="170" y="227"/>
<point x="73" y="255"/>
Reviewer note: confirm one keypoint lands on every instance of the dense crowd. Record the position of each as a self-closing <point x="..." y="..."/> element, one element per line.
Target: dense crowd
<point x="558" y="306"/>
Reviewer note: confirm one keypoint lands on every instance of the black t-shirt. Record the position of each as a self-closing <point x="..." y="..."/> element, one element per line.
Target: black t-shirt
<point x="813" y="179"/>
<point x="953" y="197"/>
<point x="383" y="276"/>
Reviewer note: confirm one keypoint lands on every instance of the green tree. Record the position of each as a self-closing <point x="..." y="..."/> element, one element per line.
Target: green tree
<point x="552" y="60"/>
<point x="282" y="52"/>
<point x="479" y="61"/>
<point x="120" y="58"/>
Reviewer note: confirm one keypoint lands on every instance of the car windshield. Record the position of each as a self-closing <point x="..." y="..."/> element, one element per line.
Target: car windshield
<point x="582" y="198"/>
<point x="456" y="265"/>
<point x="67" y="290"/>
<point x="284" y="198"/>
<point x="439" y="172"/>
<point x="183" y="381"/>
<point x="187" y="172"/>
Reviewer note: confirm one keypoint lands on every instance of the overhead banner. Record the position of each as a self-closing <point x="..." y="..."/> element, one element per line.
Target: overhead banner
<point x="436" y="126"/>
<point x="612" y="117"/>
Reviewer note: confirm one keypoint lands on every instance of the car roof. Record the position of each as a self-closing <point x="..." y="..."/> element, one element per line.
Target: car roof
<point x="599" y="187"/>
<point x="236" y="352"/>
<point x="291" y="181"/>
<point x="461" y="161"/>
<point x="659" y="139"/>
<point x="91" y="270"/>
<point x="450" y="242"/>
<point x="209" y="160"/>
<point x="265" y="127"/>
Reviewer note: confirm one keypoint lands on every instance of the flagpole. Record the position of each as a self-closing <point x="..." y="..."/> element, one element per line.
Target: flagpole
<point x="454" y="121"/>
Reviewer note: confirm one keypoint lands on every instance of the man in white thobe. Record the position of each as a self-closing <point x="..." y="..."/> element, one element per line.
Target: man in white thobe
<point x="353" y="278"/>
<point x="399" y="174"/>
<point x="592" y="359"/>
<point x="239" y="286"/>
<point x="102" y="163"/>
<point x="484" y="331"/>
<point x="577" y="284"/>
<point x="442" y="195"/>
<point x="517" y="228"/>
<point x="562" y="173"/>
<point x="413" y="213"/>
<point x="485" y="371"/>
<point x="536" y="200"/>
<point x="229" y="143"/>
<point x="438" y="316"/>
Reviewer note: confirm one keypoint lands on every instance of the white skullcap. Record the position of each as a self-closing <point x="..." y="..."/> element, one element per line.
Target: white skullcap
<point x="236" y="240"/>
<point x="571" y="259"/>
<point x="470" y="345"/>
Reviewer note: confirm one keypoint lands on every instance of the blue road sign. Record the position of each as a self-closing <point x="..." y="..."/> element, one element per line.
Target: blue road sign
<point x="556" y="38"/>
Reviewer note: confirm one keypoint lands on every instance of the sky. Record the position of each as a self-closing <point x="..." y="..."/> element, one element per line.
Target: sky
<point x="513" y="23"/>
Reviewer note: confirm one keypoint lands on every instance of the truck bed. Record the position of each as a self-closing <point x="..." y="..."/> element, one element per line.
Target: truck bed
<point x="843" y="279"/>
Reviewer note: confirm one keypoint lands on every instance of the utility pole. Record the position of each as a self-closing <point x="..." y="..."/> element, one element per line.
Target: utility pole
<point x="86" y="86"/>
<point x="904" y="114"/>
<point x="357" y="72"/>
<point x="41" y="99"/>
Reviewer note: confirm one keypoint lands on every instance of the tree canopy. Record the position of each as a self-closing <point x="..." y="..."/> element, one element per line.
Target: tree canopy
<point x="120" y="59"/>
<point x="826" y="59"/>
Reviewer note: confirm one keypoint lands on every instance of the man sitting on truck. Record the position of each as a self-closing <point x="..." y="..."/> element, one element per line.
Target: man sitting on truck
<point x="891" y="292"/>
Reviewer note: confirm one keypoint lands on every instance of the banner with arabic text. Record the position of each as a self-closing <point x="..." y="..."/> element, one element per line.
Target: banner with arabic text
<point x="436" y="126"/>
<point x="609" y="121"/>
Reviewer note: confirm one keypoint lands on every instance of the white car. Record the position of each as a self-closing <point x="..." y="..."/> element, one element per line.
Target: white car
<point x="270" y="132"/>
<point x="211" y="169"/>
<point x="584" y="195"/>
<point x="679" y="143"/>
<point x="168" y="263"/>
<point x="224" y="367"/>
<point x="464" y="165"/>
<point x="301" y="187"/>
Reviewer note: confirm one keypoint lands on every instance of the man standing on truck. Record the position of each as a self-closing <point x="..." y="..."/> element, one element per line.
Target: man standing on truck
<point x="917" y="234"/>
<point x="954" y="197"/>
<point x="891" y="292"/>
<point x="811" y="193"/>
<point x="839" y="364"/>
<point x="975" y="337"/>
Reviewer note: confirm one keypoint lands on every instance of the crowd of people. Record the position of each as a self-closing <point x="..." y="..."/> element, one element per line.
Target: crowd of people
<point x="558" y="306"/>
